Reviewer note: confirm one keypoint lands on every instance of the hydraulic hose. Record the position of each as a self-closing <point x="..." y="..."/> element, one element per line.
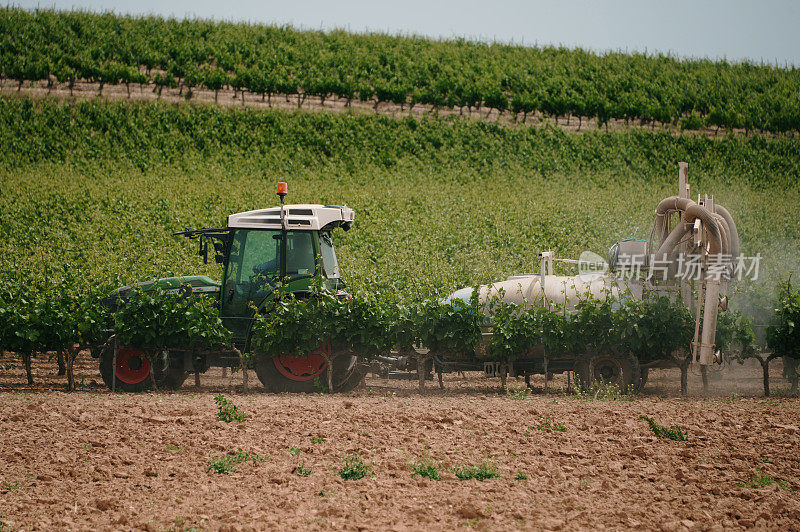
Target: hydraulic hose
<point x="734" y="234"/>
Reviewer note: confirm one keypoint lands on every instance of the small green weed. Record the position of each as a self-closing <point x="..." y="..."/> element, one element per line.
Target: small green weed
<point x="763" y="480"/>
<point x="353" y="468"/>
<point x="601" y="392"/>
<point x="302" y="470"/>
<point x="226" y="463"/>
<point x="320" y="385"/>
<point x="548" y="426"/>
<point x="728" y="400"/>
<point x="481" y="472"/>
<point x="674" y="432"/>
<point x="294" y="451"/>
<point x="183" y="525"/>
<point x="317" y="440"/>
<point x="228" y="411"/>
<point x="519" y="394"/>
<point x="7" y="485"/>
<point x="521" y="475"/>
<point x="425" y="467"/>
<point x="171" y="447"/>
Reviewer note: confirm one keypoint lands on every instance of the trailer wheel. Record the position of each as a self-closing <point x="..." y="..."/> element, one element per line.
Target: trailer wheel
<point x="133" y="370"/>
<point x="610" y="368"/>
<point x="286" y="373"/>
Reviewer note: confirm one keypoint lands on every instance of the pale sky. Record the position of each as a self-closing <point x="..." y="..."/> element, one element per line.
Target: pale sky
<point x="765" y="30"/>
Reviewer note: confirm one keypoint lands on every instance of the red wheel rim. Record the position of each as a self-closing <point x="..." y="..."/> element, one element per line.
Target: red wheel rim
<point x="132" y="366"/>
<point x="303" y="368"/>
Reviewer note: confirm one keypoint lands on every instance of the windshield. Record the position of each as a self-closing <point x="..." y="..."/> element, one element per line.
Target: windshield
<point x="256" y="256"/>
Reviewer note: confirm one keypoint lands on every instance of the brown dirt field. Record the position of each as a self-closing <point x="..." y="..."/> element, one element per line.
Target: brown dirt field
<point x="230" y="98"/>
<point x="100" y="461"/>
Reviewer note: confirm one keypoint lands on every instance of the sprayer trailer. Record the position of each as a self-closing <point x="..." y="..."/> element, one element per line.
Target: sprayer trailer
<point x="685" y="232"/>
<point x="264" y="253"/>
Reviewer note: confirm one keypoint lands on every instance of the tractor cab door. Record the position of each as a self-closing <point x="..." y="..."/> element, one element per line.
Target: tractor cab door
<point x="255" y="266"/>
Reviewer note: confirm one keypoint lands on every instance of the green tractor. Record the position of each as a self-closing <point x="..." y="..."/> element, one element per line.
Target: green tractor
<point x="264" y="253"/>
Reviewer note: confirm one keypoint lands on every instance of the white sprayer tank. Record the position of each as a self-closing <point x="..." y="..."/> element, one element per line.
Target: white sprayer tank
<point x="566" y="291"/>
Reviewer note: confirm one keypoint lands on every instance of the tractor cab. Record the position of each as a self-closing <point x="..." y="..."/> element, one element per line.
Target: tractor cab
<point x="279" y="247"/>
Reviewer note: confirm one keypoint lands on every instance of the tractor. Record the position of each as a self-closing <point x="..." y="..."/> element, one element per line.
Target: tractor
<point x="264" y="253"/>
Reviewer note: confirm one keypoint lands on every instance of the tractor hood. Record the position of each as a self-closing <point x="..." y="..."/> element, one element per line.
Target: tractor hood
<point x="192" y="284"/>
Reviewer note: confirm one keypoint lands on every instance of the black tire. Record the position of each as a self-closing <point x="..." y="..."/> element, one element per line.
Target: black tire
<point x="132" y="374"/>
<point x="612" y="368"/>
<point x="355" y="379"/>
<point x="347" y="374"/>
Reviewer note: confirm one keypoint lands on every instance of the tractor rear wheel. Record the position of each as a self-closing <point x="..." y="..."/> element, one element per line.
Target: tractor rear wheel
<point x="133" y="369"/>
<point x="308" y="374"/>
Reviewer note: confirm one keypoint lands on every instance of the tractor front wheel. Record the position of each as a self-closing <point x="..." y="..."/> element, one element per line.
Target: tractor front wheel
<point x="133" y="369"/>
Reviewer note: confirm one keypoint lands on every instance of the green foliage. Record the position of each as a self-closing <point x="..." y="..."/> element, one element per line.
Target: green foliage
<point x="651" y="329"/>
<point x="402" y="69"/>
<point x="287" y="141"/>
<point x="156" y="319"/>
<point x="674" y="432"/>
<point x="365" y="324"/>
<point x="519" y="394"/>
<point x="227" y="411"/>
<point x="353" y="468"/>
<point x="734" y="331"/>
<point x="302" y="470"/>
<point x="601" y="392"/>
<point x="762" y="480"/>
<point x="452" y="327"/>
<point x="693" y="121"/>
<point x="784" y="336"/>
<point x="483" y="471"/>
<point x="227" y="463"/>
<point x="521" y="475"/>
<point x="425" y="467"/>
<point x="546" y="425"/>
<point x="515" y="330"/>
<point x="7" y="485"/>
<point x="39" y="315"/>
<point x="294" y="451"/>
<point x="317" y="440"/>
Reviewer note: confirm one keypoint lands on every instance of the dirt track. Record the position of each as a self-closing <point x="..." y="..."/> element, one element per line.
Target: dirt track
<point x="94" y="460"/>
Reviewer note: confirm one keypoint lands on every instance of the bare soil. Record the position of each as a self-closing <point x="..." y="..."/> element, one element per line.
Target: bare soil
<point x="100" y="461"/>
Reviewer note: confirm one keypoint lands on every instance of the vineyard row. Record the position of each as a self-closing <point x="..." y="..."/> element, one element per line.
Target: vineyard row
<point x="41" y="317"/>
<point x="67" y="47"/>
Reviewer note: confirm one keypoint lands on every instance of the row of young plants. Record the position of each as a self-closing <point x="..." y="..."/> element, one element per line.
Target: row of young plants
<point x="80" y="133"/>
<point x="266" y="60"/>
<point x="651" y="329"/>
<point x="66" y="317"/>
<point x="38" y="318"/>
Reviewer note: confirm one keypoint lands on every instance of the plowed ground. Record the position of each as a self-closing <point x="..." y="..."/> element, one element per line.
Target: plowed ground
<point x="100" y="461"/>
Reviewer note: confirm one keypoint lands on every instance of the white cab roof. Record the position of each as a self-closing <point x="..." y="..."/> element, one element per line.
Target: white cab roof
<point x="301" y="216"/>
